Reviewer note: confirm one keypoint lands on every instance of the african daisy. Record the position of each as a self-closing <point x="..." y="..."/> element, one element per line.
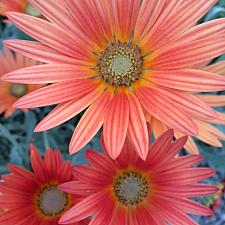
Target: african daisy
<point x="33" y="197"/>
<point x="121" y="59"/>
<point x="130" y="191"/>
<point x="9" y="92"/>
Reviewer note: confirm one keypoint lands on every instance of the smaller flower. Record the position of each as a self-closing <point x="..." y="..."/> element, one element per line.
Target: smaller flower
<point x="11" y="92"/>
<point x="131" y="191"/>
<point x="22" y="6"/>
<point x="33" y="197"/>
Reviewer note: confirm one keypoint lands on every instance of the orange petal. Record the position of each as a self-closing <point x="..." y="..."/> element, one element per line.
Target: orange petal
<point x="115" y="124"/>
<point x="90" y="123"/>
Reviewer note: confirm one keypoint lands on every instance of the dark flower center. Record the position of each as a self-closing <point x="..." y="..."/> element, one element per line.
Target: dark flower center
<point x="120" y="64"/>
<point x="131" y="188"/>
<point x="51" y="201"/>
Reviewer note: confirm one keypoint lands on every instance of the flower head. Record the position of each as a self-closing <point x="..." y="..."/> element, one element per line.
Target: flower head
<point x="34" y="197"/>
<point x="129" y="190"/>
<point x="121" y="59"/>
<point x="10" y="93"/>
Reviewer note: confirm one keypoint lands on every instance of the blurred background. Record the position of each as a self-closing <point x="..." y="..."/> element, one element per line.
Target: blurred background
<point x="16" y="133"/>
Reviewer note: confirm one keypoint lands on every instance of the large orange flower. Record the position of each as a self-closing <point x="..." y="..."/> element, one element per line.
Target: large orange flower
<point x="34" y="197"/>
<point x="122" y="58"/>
<point x="9" y="93"/>
<point x="130" y="191"/>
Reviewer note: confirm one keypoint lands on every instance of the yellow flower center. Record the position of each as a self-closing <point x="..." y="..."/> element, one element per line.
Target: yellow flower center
<point x="120" y="64"/>
<point x="31" y="10"/>
<point x="51" y="201"/>
<point x="18" y="90"/>
<point x="131" y="188"/>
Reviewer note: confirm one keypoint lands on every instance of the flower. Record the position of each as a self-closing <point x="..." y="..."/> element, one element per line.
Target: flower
<point x="22" y="6"/>
<point x="9" y="92"/>
<point x="34" y="197"/>
<point x="120" y="59"/>
<point x="129" y="190"/>
<point x="207" y="132"/>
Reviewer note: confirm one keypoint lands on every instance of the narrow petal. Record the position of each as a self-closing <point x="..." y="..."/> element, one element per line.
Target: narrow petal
<point x="41" y="52"/>
<point x="218" y="68"/>
<point x="201" y="32"/>
<point x="60" y="16"/>
<point x="188" y="80"/>
<point x="166" y="111"/>
<point x="188" y="54"/>
<point x="66" y="111"/>
<point x="190" y="145"/>
<point x="137" y="129"/>
<point x="119" y="216"/>
<point x="50" y="73"/>
<point x="148" y="14"/>
<point x="177" y="22"/>
<point x="128" y="156"/>
<point x="213" y="100"/>
<point x="190" y="103"/>
<point x="100" y="161"/>
<point x="116" y="123"/>
<point x="56" y="93"/>
<point x="83" y="209"/>
<point x="90" y="123"/>
<point x="55" y="37"/>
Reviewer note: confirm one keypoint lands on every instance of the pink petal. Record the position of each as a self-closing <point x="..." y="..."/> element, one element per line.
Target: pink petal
<point x="188" y="54"/>
<point x="100" y="161"/>
<point x="189" y="80"/>
<point x="56" y="93"/>
<point x="66" y="111"/>
<point x="190" y="103"/>
<point x="83" y="209"/>
<point x="41" y="52"/>
<point x="90" y="123"/>
<point x="137" y="129"/>
<point x="55" y="37"/>
<point x="177" y="22"/>
<point x="115" y="124"/>
<point x="50" y="73"/>
<point x="166" y="110"/>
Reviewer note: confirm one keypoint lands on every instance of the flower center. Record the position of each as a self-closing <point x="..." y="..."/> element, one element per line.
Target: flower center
<point x="51" y="201"/>
<point x="18" y="90"/>
<point x="31" y="10"/>
<point x="120" y="64"/>
<point x="131" y="188"/>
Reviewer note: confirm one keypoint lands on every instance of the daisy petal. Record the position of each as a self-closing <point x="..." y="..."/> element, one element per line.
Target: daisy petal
<point x="115" y="124"/>
<point x="166" y="111"/>
<point x="55" y="37"/>
<point x="41" y="52"/>
<point x="56" y="93"/>
<point x="83" y="209"/>
<point x="50" y="73"/>
<point x="90" y="123"/>
<point x="137" y="129"/>
<point x="189" y="80"/>
<point x="66" y="111"/>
